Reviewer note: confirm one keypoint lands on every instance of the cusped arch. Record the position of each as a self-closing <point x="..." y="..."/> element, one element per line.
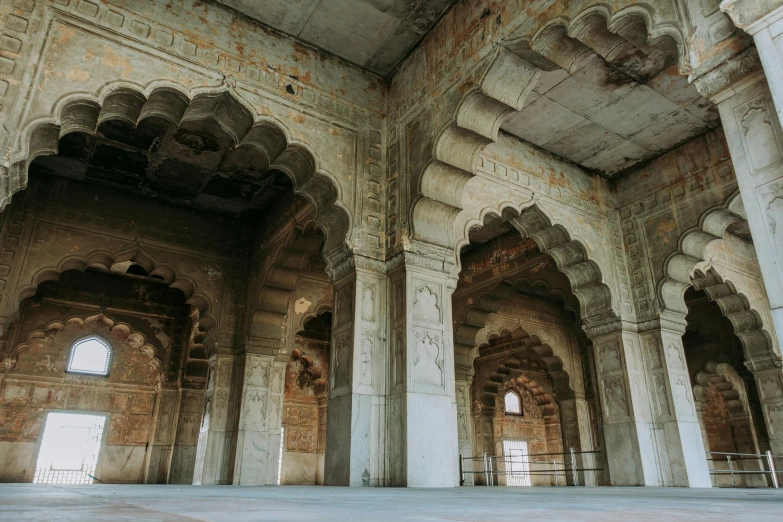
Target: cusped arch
<point x="532" y="347"/>
<point x="449" y="194"/>
<point x="202" y="316"/>
<point x="99" y="322"/>
<point x="687" y="267"/>
<point x="728" y="383"/>
<point x="277" y="280"/>
<point x="583" y="274"/>
<point x="131" y="104"/>
<point x="509" y="376"/>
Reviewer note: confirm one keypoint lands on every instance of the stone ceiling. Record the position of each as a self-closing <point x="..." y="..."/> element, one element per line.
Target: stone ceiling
<point x="374" y="34"/>
<point x="609" y="129"/>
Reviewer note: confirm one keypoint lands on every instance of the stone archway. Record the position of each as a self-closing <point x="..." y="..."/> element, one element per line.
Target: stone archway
<point x="629" y="46"/>
<point x="726" y="421"/>
<point x="691" y="267"/>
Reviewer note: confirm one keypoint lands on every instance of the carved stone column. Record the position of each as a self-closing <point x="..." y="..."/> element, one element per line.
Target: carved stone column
<point x="183" y="455"/>
<point x="159" y="450"/>
<point x="574" y="423"/>
<point x="755" y="138"/>
<point x="651" y="431"/>
<point x="260" y="418"/>
<point x="753" y="132"/>
<point x="627" y="426"/>
<point x="769" y="382"/>
<point x="680" y="441"/>
<point x="357" y="384"/>
<point x="464" y="381"/>
<point x="423" y="434"/>
<point x="215" y="453"/>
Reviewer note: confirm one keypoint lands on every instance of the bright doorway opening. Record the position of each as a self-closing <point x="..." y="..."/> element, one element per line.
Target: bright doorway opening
<point x="516" y="458"/>
<point x="69" y="448"/>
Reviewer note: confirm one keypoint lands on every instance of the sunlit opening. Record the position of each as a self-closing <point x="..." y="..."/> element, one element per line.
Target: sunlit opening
<point x="516" y="458"/>
<point x="91" y="356"/>
<point x="69" y="449"/>
<point x="513" y="404"/>
<point x="280" y="458"/>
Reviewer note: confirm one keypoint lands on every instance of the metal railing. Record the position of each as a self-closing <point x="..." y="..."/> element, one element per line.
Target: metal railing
<point x="490" y="468"/>
<point x="732" y="458"/>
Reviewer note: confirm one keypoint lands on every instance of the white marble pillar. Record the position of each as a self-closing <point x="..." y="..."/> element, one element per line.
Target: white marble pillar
<point x="651" y="432"/>
<point x="749" y="97"/>
<point x="628" y="431"/>
<point x="422" y="403"/>
<point x="260" y="417"/>
<point x="354" y="454"/>
<point x="465" y="423"/>
<point x="680" y="441"/>
<point x="747" y="105"/>
<point x="215" y="453"/>
<point x="769" y="383"/>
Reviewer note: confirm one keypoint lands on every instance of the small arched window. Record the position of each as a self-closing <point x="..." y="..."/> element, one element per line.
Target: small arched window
<point x="513" y="404"/>
<point x="90" y="356"/>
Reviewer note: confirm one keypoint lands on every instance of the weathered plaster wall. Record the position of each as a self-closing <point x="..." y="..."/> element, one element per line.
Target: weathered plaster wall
<point x="37" y="384"/>
<point x="304" y="414"/>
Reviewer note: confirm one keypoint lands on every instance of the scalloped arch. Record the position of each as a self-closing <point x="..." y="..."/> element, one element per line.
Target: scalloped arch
<point x="278" y="280"/>
<point x="132" y="103"/>
<point x="687" y="267"/>
<point x="449" y="198"/>
<point x="112" y="328"/>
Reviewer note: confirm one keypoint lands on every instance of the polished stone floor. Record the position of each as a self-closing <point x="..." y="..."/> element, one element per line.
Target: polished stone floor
<point x="119" y="503"/>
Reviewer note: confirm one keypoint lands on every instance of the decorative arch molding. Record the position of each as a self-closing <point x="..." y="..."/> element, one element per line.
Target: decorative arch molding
<point x="99" y="322"/>
<point x="531" y="346"/>
<point x="729" y="384"/>
<point x="630" y="40"/>
<point x="104" y="260"/>
<point x="202" y="317"/>
<point x="311" y="374"/>
<point x="450" y="197"/>
<point x="319" y="309"/>
<point x="688" y="268"/>
<point x="129" y="103"/>
<point x="292" y="254"/>
<point x="509" y="376"/>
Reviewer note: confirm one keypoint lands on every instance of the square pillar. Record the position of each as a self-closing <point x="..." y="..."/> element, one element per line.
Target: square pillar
<point x="465" y="425"/>
<point x="422" y="404"/>
<point x="354" y="453"/>
<point x="683" y="454"/>
<point x="183" y="455"/>
<point x="260" y="418"/>
<point x="628" y="431"/>
<point x="159" y="450"/>
<point x="215" y="453"/>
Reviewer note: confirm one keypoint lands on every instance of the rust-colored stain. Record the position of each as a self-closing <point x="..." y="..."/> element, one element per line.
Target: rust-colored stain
<point x="77" y="75"/>
<point x="111" y="59"/>
<point x="334" y="132"/>
<point x="299" y="118"/>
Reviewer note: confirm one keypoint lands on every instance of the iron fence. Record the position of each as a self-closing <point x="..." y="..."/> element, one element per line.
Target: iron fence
<point x="491" y="466"/>
<point x="759" y="459"/>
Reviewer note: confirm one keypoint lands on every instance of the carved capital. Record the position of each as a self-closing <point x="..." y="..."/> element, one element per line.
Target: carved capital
<point x="747" y="13"/>
<point x="729" y="73"/>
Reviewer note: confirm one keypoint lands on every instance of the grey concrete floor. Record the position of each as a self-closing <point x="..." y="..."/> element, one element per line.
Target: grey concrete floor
<point x="119" y="503"/>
